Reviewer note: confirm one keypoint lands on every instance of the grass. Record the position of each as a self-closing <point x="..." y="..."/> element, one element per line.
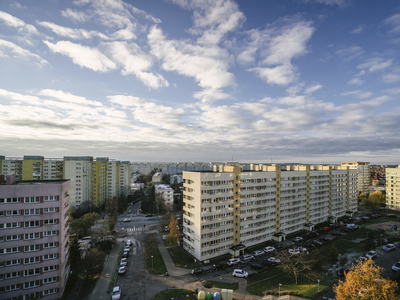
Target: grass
<point x="220" y="285"/>
<point x="183" y="259"/>
<point x="154" y="261"/>
<point x="116" y="267"/>
<point x="261" y="275"/>
<point x="176" y="294"/>
<point x="87" y="288"/>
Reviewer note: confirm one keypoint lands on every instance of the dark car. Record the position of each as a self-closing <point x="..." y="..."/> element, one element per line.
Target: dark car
<point x="149" y="215"/>
<point x="375" y="216"/>
<point x="324" y="239"/>
<point x="267" y="263"/>
<point x="342" y="272"/>
<point x="125" y="255"/>
<point x="256" y="266"/>
<point x="219" y="267"/>
<point x="197" y="272"/>
<point x="317" y="243"/>
<point x="311" y="246"/>
<point x="391" y="216"/>
<point x="337" y="233"/>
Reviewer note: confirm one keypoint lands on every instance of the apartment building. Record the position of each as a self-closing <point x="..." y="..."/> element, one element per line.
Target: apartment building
<point x="393" y="187"/>
<point x="167" y="193"/>
<point x="157" y="177"/>
<point x="229" y="207"/>
<point x="92" y="179"/>
<point x="33" y="239"/>
<point x="363" y="175"/>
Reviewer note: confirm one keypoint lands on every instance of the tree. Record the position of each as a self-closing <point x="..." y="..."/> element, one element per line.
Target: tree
<point x="376" y="200"/>
<point x="160" y="204"/>
<point x="296" y="265"/>
<point x="112" y="213"/>
<point x="93" y="262"/>
<point x="82" y="225"/>
<point x="174" y="235"/>
<point x="365" y="281"/>
<point x="165" y="220"/>
<point x="74" y="256"/>
<point x="334" y="252"/>
<point x="362" y="197"/>
<point x="317" y="258"/>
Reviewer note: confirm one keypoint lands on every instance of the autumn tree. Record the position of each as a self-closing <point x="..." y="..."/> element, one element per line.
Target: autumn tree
<point x="112" y="213"/>
<point x="365" y="281"/>
<point x="296" y="265"/>
<point x="174" y="235"/>
<point x="165" y="220"/>
<point x="362" y="197"/>
<point x="83" y="225"/>
<point x="376" y="200"/>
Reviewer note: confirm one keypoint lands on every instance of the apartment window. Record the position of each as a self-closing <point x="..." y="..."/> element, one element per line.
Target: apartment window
<point x="13" y="237"/>
<point x="32" y="272"/>
<point x="50" y="233"/>
<point x="31" y="248"/>
<point x="10" y="225"/>
<point x="31" y="284"/>
<point x="9" y="263"/>
<point x="50" y="222"/>
<point x="9" y="200"/>
<point x="50" y="198"/>
<point x="49" y="268"/>
<point x="32" y="260"/>
<point x="12" y="287"/>
<point x="9" y="250"/>
<point x="49" y="209"/>
<point x="13" y="275"/>
<point x="49" y="292"/>
<point x="13" y="212"/>
<point x="32" y="236"/>
<point x="32" y="199"/>
<point x="32" y="224"/>
<point x="50" y="280"/>
<point x="32" y="211"/>
<point x="49" y="256"/>
<point x="49" y="245"/>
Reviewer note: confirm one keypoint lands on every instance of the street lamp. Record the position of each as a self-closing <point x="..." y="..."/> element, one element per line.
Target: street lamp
<point x="381" y="240"/>
<point x="318" y="285"/>
<point x="280" y="291"/>
<point x="152" y="263"/>
<point x="339" y="261"/>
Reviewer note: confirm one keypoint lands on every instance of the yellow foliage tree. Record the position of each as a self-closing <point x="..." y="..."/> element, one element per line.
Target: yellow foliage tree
<point x="365" y="281"/>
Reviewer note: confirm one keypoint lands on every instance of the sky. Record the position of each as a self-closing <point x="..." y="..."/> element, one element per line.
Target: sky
<point x="307" y="81"/>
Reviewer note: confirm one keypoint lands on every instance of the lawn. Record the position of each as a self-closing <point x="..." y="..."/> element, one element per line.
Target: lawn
<point x="263" y="274"/>
<point x="154" y="261"/>
<point x="304" y="288"/>
<point x="220" y="285"/>
<point x="183" y="259"/>
<point x="176" y="294"/>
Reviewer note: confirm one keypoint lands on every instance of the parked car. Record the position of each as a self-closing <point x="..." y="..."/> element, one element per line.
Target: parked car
<point x="240" y="273"/>
<point x="360" y="260"/>
<point x="375" y="216"/>
<point x="396" y="266"/>
<point x="124" y="262"/>
<point x="337" y="233"/>
<point x="317" y="243"/>
<point x="125" y="255"/>
<point x="327" y="228"/>
<point x="371" y="254"/>
<point x="391" y="216"/>
<point x="127" y="249"/>
<point x="256" y="266"/>
<point x="294" y="251"/>
<point x="267" y="263"/>
<point x="197" y="272"/>
<point x="297" y="239"/>
<point x="166" y="228"/>
<point x="274" y="260"/>
<point x="129" y="243"/>
<point x="219" y="266"/>
<point x="233" y="261"/>
<point x="246" y="258"/>
<point x="127" y="220"/>
<point x="116" y="293"/>
<point x="149" y="215"/>
<point x="164" y="237"/>
<point x="365" y="219"/>
<point x="122" y="270"/>
<point x="342" y="272"/>
<point x="269" y="249"/>
<point x="389" y="247"/>
<point x="258" y="253"/>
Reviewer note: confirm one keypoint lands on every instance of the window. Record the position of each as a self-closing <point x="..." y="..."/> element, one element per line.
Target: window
<point x="13" y="275"/>
<point x="9" y="250"/>
<point x="50" y="280"/>
<point x="31" y="248"/>
<point x="32" y="224"/>
<point x="49" y="209"/>
<point x="50" y="198"/>
<point x="49" y="245"/>
<point x="13" y="262"/>
<point x="32" y="211"/>
<point x="50" y="256"/>
<point x="32" y="199"/>
<point x="13" y="287"/>
<point x="13" y="212"/>
<point x="10" y="200"/>
<point x="32" y="236"/>
<point x="50" y="268"/>
<point x="31" y="284"/>
<point x="50" y="222"/>
<point x="14" y="237"/>
<point x="49" y="292"/>
<point x="32" y="272"/>
<point x="50" y="233"/>
<point x="10" y="225"/>
<point x="32" y="260"/>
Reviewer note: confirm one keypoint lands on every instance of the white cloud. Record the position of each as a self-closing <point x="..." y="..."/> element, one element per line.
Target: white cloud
<point x="358" y="30"/>
<point x="391" y="78"/>
<point x="10" y="49"/>
<point x="281" y="75"/>
<point x="68" y="97"/>
<point x="312" y="89"/>
<point x="126" y="100"/>
<point x="83" y="56"/>
<point x="393" y="91"/>
<point x="355" y="81"/>
<point x="350" y="53"/>
<point x="375" y="64"/>
<point x="209" y="95"/>
<point x="76" y="34"/>
<point x="358" y="93"/>
<point x="340" y="3"/>
<point x="12" y="21"/>
<point x="394" y="22"/>
<point x="74" y="15"/>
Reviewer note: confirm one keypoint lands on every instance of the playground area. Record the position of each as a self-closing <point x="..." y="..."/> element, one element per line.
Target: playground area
<point x="390" y="227"/>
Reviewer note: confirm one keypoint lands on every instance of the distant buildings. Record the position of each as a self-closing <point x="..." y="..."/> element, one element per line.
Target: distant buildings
<point x="34" y="239"/>
<point x="167" y="193"/>
<point x="157" y="177"/>
<point x="229" y="209"/>
<point x="93" y="180"/>
<point x="363" y="175"/>
<point x="176" y="179"/>
<point x="393" y="187"/>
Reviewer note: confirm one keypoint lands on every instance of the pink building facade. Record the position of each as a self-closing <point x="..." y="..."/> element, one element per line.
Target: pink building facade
<point x="34" y="239"/>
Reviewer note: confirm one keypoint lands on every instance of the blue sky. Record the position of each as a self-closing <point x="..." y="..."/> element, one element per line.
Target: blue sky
<point x="311" y="81"/>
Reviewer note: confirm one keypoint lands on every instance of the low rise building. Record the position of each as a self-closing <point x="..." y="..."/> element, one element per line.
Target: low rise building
<point x="167" y="193"/>
<point x="157" y="177"/>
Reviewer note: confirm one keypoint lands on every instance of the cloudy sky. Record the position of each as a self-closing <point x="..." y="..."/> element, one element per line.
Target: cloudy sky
<point x="312" y="81"/>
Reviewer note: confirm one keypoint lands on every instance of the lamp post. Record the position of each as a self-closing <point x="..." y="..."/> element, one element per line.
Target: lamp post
<point x="381" y="240"/>
<point x="280" y="291"/>
<point x="318" y="285"/>
<point x="152" y="263"/>
<point x="339" y="261"/>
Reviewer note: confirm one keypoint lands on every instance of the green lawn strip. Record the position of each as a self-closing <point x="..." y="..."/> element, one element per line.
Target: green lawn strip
<point x="176" y="294"/>
<point x="115" y="271"/>
<point x="183" y="259"/>
<point x="304" y="288"/>
<point x="220" y="285"/>
<point x="154" y="264"/>
<point x="263" y="274"/>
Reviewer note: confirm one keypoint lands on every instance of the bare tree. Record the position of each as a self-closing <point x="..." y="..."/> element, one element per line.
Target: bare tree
<point x="297" y="264"/>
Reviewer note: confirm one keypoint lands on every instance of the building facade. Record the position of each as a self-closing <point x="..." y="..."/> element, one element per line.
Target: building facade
<point x="167" y="194"/>
<point x="229" y="207"/>
<point x="393" y="188"/>
<point x="363" y="175"/>
<point x="34" y="239"/>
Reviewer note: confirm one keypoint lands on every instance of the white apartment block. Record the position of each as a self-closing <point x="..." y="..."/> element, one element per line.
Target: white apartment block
<point x="157" y="177"/>
<point x="229" y="207"/>
<point x="77" y="169"/>
<point x="363" y="177"/>
<point x="34" y="239"/>
<point x="167" y="193"/>
<point x="124" y="177"/>
<point x="393" y="187"/>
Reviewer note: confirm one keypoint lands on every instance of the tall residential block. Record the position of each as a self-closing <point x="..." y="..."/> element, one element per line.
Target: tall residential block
<point x="393" y="187"/>
<point x="363" y="175"/>
<point x="167" y="193"/>
<point x="228" y="207"/>
<point x="34" y="239"/>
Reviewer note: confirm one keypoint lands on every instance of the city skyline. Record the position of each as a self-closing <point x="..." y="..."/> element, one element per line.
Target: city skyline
<point x="307" y="81"/>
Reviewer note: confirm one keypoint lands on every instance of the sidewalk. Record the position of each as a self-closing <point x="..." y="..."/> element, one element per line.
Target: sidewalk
<point x="100" y="290"/>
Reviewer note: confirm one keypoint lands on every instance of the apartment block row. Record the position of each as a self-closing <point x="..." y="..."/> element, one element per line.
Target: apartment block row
<point x="33" y="239"/>
<point x="228" y="207"/>
<point x="393" y="188"/>
<point x="92" y="179"/>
